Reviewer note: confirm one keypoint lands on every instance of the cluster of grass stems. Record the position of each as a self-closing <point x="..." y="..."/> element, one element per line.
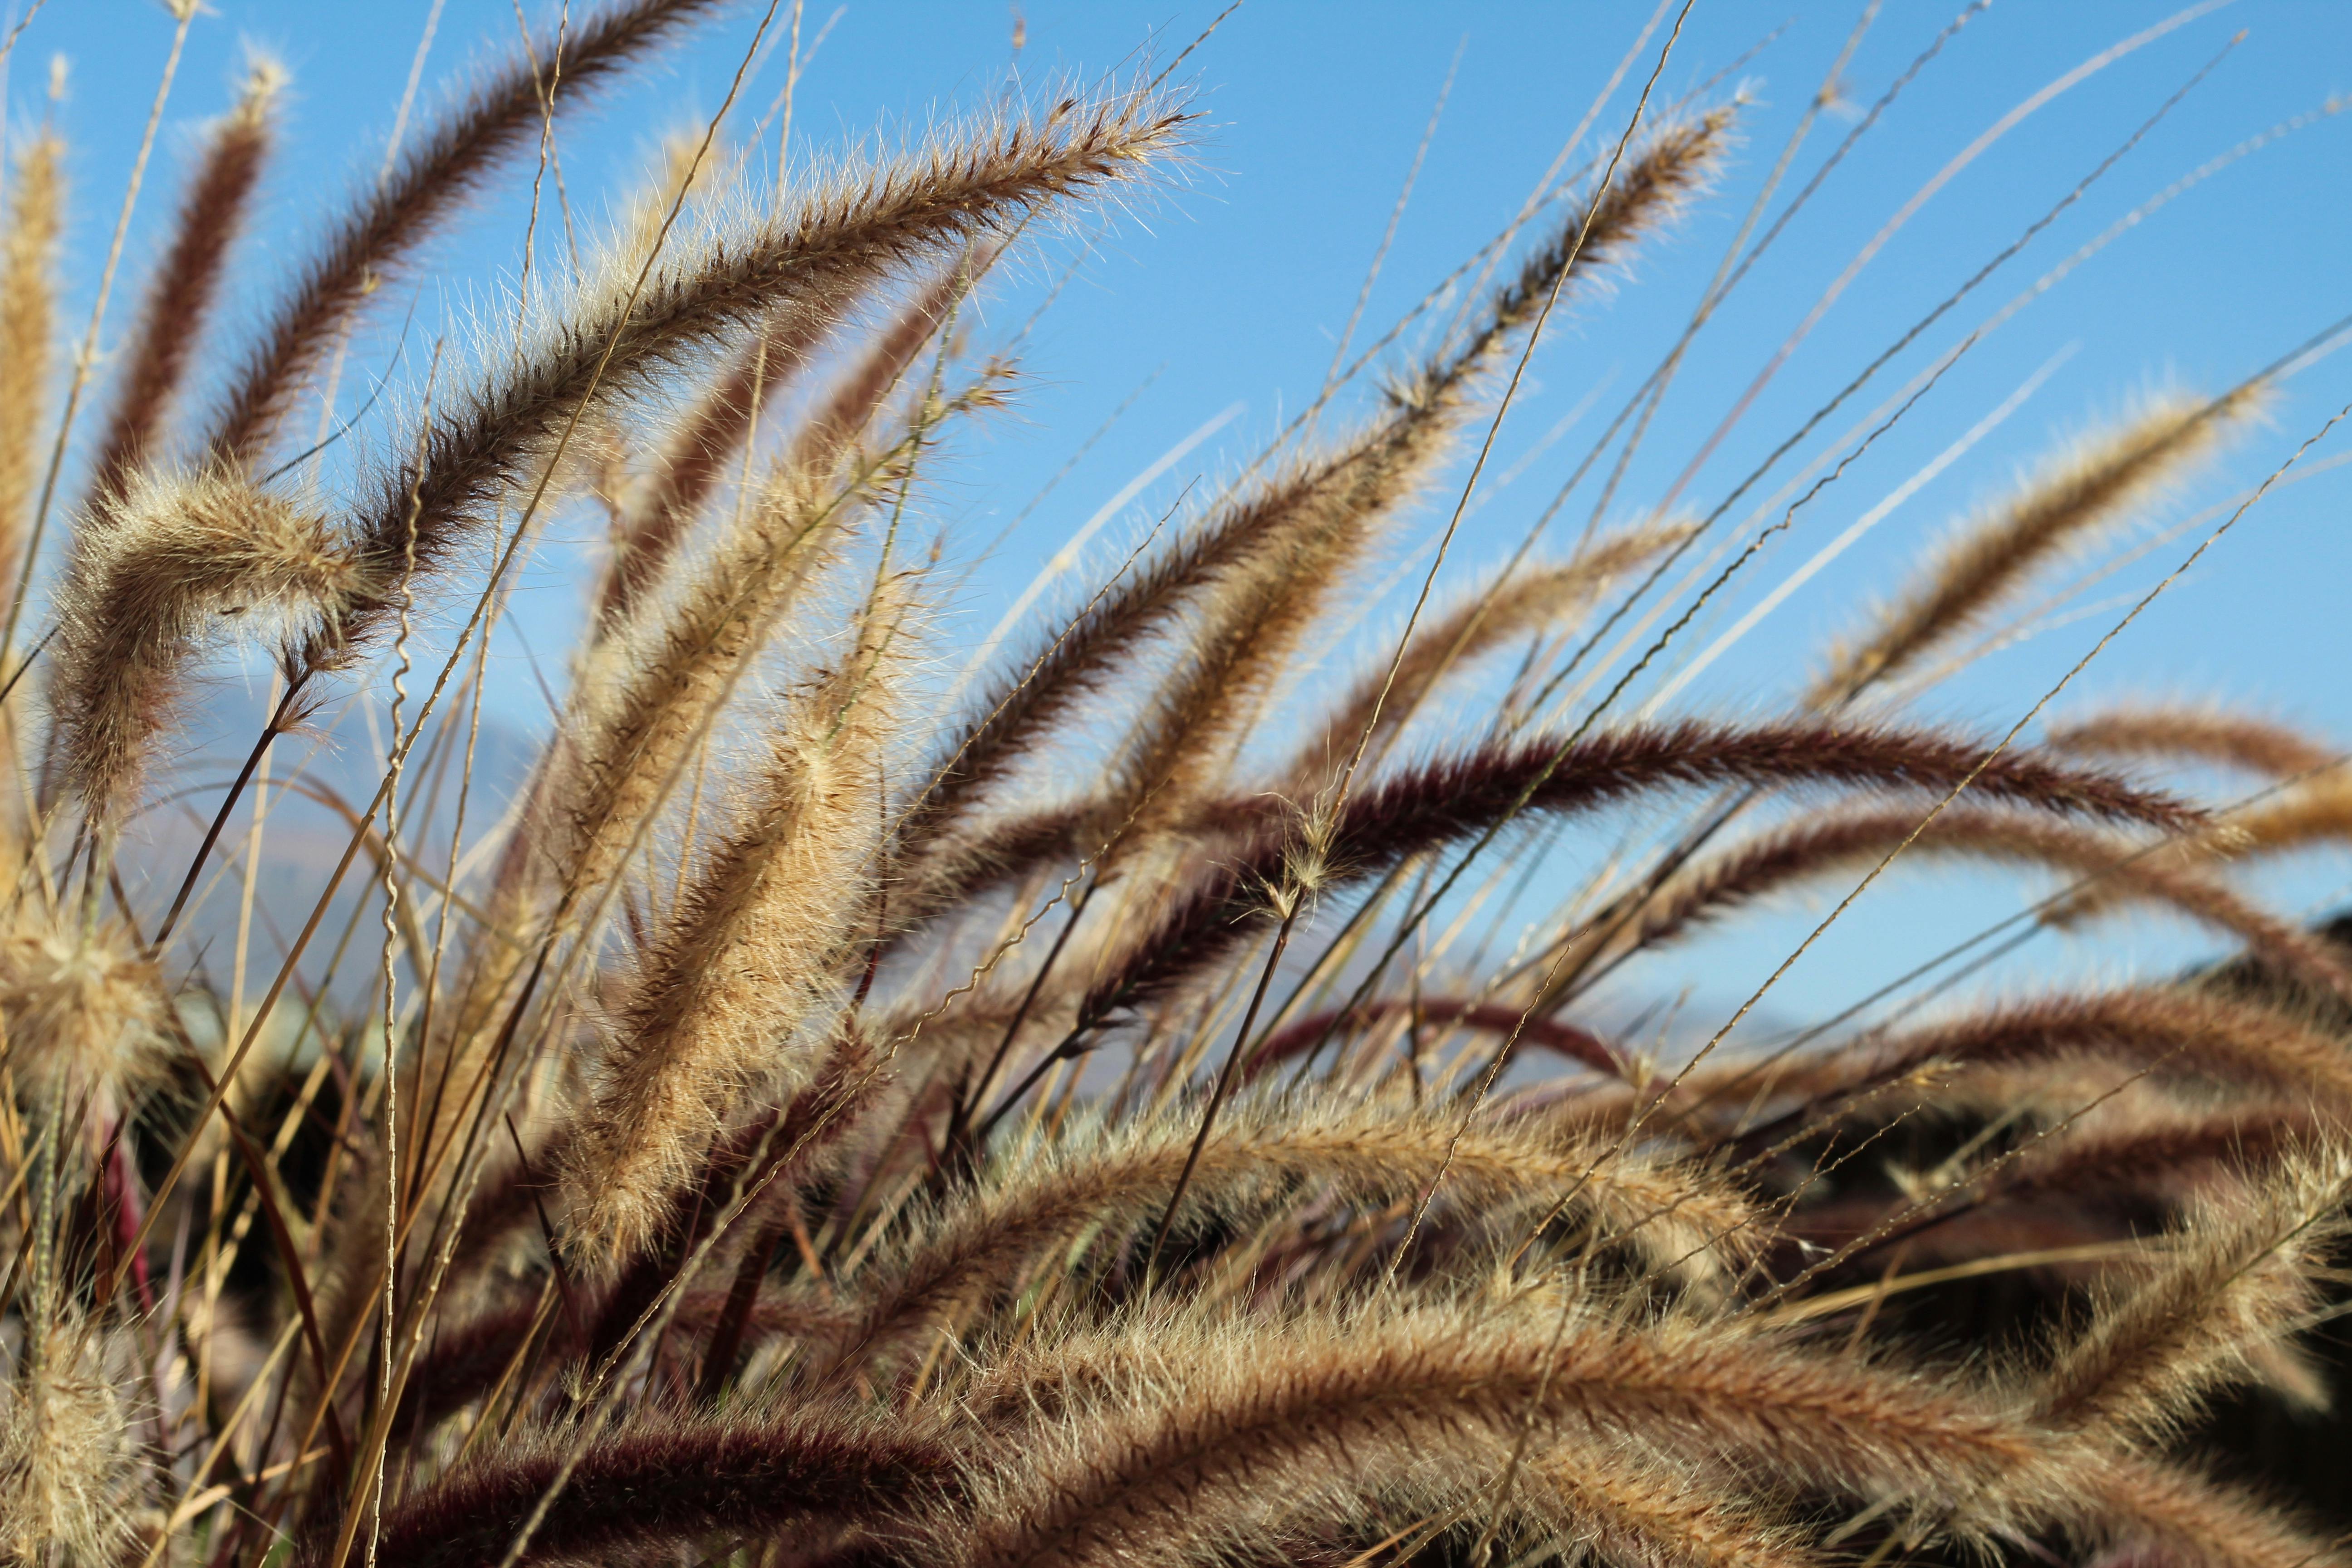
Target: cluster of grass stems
<point x="802" y="1125"/>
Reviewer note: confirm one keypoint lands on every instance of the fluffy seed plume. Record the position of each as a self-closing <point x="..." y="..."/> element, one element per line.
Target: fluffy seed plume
<point x="647" y="696"/>
<point x="2180" y="734"/>
<point x="27" y="322"/>
<point x="683" y="170"/>
<point x="83" y="1013"/>
<point x="669" y="674"/>
<point x="2174" y="1032"/>
<point x="1649" y="1509"/>
<point x="1542" y="597"/>
<point x="1188" y="1429"/>
<point x="70" y="1460"/>
<point x="1252" y="620"/>
<point x="749" y="955"/>
<point x="152" y="573"/>
<point x="2232" y="1280"/>
<point x="1427" y="806"/>
<point x="1258" y="567"/>
<point x="2117" y="869"/>
<point x="2317" y="813"/>
<point x="694" y="1138"/>
<point x="443" y="168"/>
<point x="657" y="1483"/>
<point x="838" y="423"/>
<point x="1270" y="1155"/>
<point x="2098" y="481"/>
<point x="652" y="527"/>
<point x="620" y="336"/>
<point x="187" y="281"/>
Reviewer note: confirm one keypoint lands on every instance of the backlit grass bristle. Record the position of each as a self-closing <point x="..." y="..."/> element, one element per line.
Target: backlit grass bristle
<point x="69" y="1452"/>
<point x="660" y="518"/>
<point x="2232" y="1280"/>
<point x="85" y="1012"/>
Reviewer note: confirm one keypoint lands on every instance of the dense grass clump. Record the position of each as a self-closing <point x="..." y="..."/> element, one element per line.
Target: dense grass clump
<point x="811" y="1118"/>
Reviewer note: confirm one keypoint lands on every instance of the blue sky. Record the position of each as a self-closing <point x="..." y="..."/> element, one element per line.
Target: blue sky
<point x="1230" y="286"/>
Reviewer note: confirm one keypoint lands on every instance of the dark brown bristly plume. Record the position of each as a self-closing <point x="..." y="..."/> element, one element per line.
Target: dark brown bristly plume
<point x="1442" y="1012"/>
<point x="840" y="420"/>
<point x="1262" y="561"/>
<point x="1424" y="807"/>
<point x="2171" y="1033"/>
<point x="444" y="167"/>
<point x="720" y="425"/>
<point x="2115" y="870"/>
<point x="187" y="282"/>
<point x="839" y="241"/>
<point x="659" y="1483"/>
<point x="466" y="1357"/>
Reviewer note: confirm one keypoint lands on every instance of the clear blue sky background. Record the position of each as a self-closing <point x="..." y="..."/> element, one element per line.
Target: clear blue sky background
<point x="1232" y="285"/>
